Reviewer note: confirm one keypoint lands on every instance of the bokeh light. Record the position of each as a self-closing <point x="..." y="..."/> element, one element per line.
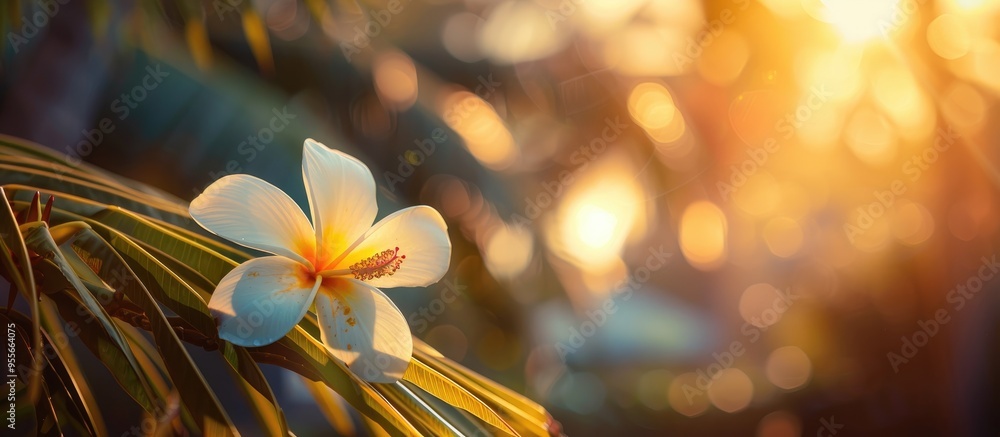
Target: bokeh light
<point x="597" y="216"/>
<point x="856" y="20"/>
<point x="788" y="367"/>
<point x="680" y="396"/>
<point x="396" y="79"/>
<point x="731" y="390"/>
<point x="508" y="250"/>
<point x="762" y="305"/>
<point x="482" y="130"/>
<point x="783" y="236"/>
<point x="949" y="36"/>
<point x="667" y="217"/>
<point x="779" y="424"/>
<point x="703" y="235"/>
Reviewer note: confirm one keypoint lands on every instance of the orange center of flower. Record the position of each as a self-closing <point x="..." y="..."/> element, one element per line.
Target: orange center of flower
<point x="384" y="263"/>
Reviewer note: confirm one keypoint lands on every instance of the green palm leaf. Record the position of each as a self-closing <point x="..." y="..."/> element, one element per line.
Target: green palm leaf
<point x="440" y="386"/>
<point x="120" y="259"/>
<point x="16" y="264"/>
<point x="195" y="392"/>
<point x="110" y="342"/>
<point x="64" y="363"/>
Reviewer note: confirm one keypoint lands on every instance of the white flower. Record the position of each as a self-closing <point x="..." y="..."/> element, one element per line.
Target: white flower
<point x="337" y="262"/>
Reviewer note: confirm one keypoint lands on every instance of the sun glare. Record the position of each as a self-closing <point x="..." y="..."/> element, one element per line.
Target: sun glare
<point x="595" y="226"/>
<point x="860" y="21"/>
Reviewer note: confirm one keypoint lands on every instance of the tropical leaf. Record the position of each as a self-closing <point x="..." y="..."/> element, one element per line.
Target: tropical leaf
<point x="527" y="407"/>
<point x="193" y="250"/>
<point x="332" y="406"/>
<point x="461" y="420"/>
<point x="197" y="40"/>
<point x="162" y="283"/>
<point x="108" y="342"/>
<point x="334" y="374"/>
<point x="16" y="263"/>
<point x="65" y="364"/>
<point x="447" y="390"/>
<point x="45" y="181"/>
<point x="177" y="296"/>
<point x="523" y="418"/>
<point x="416" y="411"/>
<point x="112" y="253"/>
<point x="251" y="381"/>
<point x="149" y="358"/>
<point x="256" y="34"/>
<point x="196" y="393"/>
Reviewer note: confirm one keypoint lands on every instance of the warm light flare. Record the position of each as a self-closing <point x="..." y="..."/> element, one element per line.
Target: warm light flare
<point x="680" y="398"/>
<point x="508" y="250"/>
<point x="703" y="235"/>
<point x="482" y="130"/>
<point x="948" y="35"/>
<point x="651" y="106"/>
<point x="599" y="214"/>
<point x="595" y="226"/>
<point x="788" y="367"/>
<point x="731" y="391"/>
<point x="396" y="79"/>
<point x="860" y="20"/>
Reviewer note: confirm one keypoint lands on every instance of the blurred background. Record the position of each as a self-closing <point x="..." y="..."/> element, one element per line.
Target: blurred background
<point x="670" y="217"/>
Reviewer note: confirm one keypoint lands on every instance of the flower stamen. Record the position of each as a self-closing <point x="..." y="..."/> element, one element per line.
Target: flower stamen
<point x="384" y="263"/>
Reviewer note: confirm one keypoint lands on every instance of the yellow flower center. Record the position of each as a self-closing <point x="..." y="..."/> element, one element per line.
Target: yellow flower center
<point x="384" y="263"/>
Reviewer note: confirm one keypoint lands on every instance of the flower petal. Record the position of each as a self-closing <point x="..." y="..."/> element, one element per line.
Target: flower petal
<point x="341" y="193"/>
<point x="251" y="212"/>
<point x="364" y="329"/>
<point x="421" y="235"/>
<point x="262" y="299"/>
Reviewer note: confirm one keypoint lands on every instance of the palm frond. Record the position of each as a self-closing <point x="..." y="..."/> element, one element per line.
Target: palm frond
<point x="130" y="270"/>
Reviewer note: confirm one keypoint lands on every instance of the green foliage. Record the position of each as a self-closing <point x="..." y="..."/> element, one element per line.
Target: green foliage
<point x="124" y="273"/>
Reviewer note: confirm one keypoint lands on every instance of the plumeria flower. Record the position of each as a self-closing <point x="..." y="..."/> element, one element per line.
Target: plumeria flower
<point x="338" y="262"/>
